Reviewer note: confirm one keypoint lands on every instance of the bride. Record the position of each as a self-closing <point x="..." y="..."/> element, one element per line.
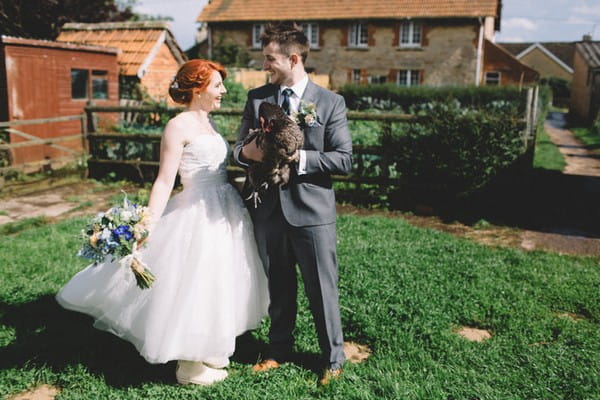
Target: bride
<point x="210" y="285"/>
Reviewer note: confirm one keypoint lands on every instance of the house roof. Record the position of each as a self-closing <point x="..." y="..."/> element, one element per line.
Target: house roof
<point x="590" y="51"/>
<point x="563" y="51"/>
<point x="139" y="41"/>
<point x="57" y="45"/>
<point x="275" y="10"/>
<point x="508" y="57"/>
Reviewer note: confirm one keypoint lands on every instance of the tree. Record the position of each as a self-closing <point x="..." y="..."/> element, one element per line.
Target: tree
<point x="42" y="19"/>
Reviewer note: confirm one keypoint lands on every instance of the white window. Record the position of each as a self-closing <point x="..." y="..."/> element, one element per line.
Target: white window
<point x="492" y="78"/>
<point x="257" y="30"/>
<point x="311" y="31"/>
<point x="358" y="35"/>
<point x="408" y="77"/>
<point x="356" y="76"/>
<point x="410" y="34"/>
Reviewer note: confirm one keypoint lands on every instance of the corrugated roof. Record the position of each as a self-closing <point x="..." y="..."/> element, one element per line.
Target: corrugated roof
<point x="57" y="45"/>
<point x="138" y="41"/>
<point x="590" y="51"/>
<point x="564" y="51"/>
<point x="274" y="10"/>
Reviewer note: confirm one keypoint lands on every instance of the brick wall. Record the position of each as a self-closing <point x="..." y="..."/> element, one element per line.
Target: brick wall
<point x="546" y="66"/>
<point x="160" y="73"/>
<point x="580" y="92"/>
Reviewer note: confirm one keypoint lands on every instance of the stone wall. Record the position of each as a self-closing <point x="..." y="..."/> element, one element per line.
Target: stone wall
<point x="447" y="57"/>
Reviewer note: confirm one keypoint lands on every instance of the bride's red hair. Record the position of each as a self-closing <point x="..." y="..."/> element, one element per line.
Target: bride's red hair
<point x="193" y="76"/>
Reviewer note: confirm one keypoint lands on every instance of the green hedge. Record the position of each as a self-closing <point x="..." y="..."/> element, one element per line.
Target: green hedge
<point x="393" y="98"/>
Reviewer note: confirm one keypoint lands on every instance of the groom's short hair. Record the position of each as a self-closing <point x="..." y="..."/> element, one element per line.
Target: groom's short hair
<point x="289" y="36"/>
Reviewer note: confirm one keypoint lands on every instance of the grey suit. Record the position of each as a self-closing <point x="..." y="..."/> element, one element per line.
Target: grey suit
<point x="296" y="224"/>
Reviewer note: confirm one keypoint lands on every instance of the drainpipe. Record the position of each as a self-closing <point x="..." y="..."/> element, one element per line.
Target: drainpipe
<point x="479" y="53"/>
<point x="209" y="38"/>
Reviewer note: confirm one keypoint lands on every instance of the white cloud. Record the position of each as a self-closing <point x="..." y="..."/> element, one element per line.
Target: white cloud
<point x="588" y="10"/>
<point x="509" y="39"/>
<point x="519" y="23"/>
<point x="573" y="20"/>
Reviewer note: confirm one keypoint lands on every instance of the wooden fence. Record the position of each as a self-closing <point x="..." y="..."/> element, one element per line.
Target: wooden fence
<point x="146" y="162"/>
<point x="10" y="127"/>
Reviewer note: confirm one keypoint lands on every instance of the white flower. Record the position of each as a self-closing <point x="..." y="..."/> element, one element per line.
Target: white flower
<point x="126" y="215"/>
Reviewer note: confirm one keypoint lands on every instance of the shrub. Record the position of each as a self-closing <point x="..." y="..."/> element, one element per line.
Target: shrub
<point x="457" y="149"/>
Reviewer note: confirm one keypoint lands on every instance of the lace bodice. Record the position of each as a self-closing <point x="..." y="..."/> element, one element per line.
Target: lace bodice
<point x="204" y="160"/>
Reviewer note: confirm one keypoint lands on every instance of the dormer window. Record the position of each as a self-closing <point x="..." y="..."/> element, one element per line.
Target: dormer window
<point x="410" y="34"/>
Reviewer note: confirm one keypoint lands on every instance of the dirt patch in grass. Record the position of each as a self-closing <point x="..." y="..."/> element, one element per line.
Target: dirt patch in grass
<point x="355" y="352"/>
<point x="42" y="392"/>
<point x="473" y="334"/>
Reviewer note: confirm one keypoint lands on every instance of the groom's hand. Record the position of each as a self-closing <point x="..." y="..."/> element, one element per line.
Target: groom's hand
<point x="252" y="152"/>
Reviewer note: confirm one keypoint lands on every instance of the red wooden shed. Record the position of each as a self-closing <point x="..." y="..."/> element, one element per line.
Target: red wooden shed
<point x="44" y="79"/>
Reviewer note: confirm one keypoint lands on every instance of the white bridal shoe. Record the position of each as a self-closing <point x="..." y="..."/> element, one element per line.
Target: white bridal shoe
<point x="198" y="373"/>
<point x="216" y="362"/>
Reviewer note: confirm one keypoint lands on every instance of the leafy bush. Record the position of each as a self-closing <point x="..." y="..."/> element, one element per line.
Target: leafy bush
<point x="458" y="149"/>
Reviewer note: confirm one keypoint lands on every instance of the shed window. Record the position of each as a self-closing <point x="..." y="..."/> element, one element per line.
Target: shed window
<point x="79" y="83"/>
<point x="408" y="77"/>
<point x="492" y="78"/>
<point x="358" y="35"/>
<point x="99" y="84"/>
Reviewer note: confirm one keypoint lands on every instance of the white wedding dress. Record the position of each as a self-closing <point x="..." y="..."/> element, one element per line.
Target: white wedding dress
<point x="210" y="285"/>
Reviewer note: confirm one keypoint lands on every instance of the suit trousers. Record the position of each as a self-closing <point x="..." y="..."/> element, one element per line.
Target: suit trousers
<point x="281" y="246"/>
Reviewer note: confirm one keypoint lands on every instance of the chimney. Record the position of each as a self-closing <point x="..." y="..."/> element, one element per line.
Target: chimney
<point x="587" y="38"/>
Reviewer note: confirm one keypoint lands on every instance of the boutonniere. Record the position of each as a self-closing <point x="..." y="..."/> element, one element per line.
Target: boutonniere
<point x="306" y="115"/>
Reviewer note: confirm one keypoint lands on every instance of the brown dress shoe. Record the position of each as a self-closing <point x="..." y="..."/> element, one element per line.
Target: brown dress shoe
<point x="329" y="375"/>
<point x="265" y="365"/>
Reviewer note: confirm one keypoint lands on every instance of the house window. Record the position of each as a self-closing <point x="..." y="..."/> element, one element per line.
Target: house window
<point x="311" y="31"/>
<point x="359" y="35"/>
<point x="356" y="76"/>
<point x="376" y="80"/>
<point x="79" y="83"/>
<point x="408" y="77"/>
<point x="257" y="30"/>
<point x="492" y="78"/>
<point x="99" y="84"/>
<point x="410" y="34"/>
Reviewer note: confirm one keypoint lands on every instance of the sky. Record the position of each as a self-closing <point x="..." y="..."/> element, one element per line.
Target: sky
<point x="522" y="20"/>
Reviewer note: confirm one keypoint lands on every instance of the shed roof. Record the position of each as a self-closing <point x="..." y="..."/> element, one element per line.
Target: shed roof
<point x="139" y="41"/>
<point x="590" y="51"/>
<point x="275" y="10"/>
<point x="57" y="45"/>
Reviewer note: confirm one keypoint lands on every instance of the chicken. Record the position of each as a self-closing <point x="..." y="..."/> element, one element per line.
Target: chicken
<point x="280" y="138"/>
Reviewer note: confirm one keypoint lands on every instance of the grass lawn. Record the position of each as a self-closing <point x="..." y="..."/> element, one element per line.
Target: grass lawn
<point x="403" y="292"/>
<point x="547" y="155"/>
<point x="590" y="137"/>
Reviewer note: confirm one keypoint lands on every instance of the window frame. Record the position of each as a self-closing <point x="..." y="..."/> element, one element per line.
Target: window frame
<point x="411" y="43"/>
<point x="413" y="77"/>
<point x="256" y="44"/>
<point x="313" y="40"/>
<point x="85" y="86"/>
<point x="494" y="82"/>
<point x="101" y="76"/>
<point x="356" y="31"/>
<point x="357" y="72"/>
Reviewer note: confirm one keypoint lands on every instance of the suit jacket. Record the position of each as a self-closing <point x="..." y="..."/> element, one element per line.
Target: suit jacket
<point x="307" y="199"/>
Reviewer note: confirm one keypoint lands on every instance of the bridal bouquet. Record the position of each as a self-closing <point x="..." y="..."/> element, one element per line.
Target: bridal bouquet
<point x="114" y="234"/>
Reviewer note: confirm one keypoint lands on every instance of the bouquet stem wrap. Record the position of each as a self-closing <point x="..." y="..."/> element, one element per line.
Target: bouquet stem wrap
<point x="141" y="272"/>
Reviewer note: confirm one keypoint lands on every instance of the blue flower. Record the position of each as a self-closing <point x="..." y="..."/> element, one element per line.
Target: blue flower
<point x="122" y="230"/>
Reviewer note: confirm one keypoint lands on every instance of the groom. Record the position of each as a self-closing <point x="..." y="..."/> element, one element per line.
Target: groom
<point x="295" y="223"/>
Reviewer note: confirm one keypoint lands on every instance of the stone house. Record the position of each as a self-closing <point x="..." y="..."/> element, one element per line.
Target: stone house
<point x="407" y="42"/>
<point x="149" y="58"/>
<point x="585" y="87"/>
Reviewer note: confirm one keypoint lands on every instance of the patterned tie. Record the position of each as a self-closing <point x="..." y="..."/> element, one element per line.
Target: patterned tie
<point x="285" y="104"/>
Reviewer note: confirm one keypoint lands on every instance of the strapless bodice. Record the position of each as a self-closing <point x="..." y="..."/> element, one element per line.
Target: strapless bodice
<point x="204" y="161"/>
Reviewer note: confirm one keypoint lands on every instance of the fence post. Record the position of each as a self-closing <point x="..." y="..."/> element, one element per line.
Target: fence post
<point x="527" y="117"/>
